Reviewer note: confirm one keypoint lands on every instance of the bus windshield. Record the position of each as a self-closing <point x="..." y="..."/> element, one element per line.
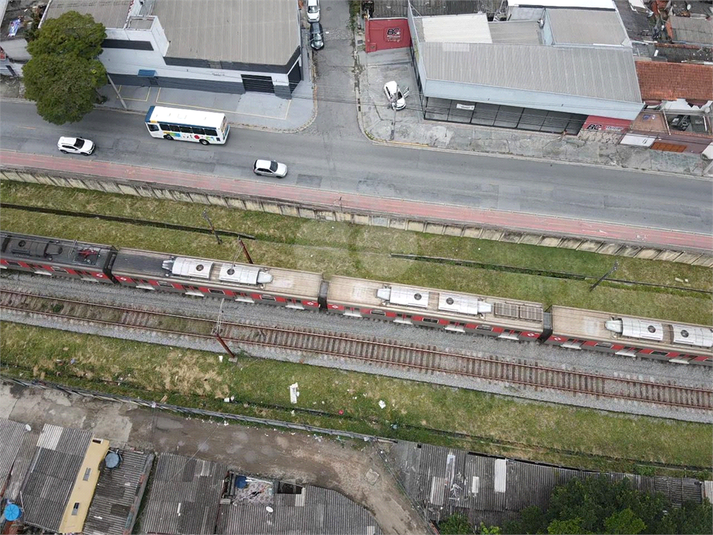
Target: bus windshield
<point x="187" y="125"/>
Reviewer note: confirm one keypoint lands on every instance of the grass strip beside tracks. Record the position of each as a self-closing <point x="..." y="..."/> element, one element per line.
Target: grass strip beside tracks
<point x="361" y="251"/>
<point x="349" y="401"/>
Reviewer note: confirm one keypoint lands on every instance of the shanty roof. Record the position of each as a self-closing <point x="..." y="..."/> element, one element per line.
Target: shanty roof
<point x="12" y="435"/>
<point x="695" y="30"/>
<point x="314" y="510"/>
<point x="491" y="488"/>
<point x="184" y="496"/>
<point x="118" y="495"/>
<point x="58" y="457"/>
<point x="671" y="81"/>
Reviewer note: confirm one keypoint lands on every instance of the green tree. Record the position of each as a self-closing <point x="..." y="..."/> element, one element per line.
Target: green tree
<point x="456" y="524"/>
<point x="600" y="505"/>
<point x="566" y="527"/>
<point x="63" y="76"/>
<point x="69" y="34"/>
<point x="63" y="87"/>
<point x="624" y="522"/>
<point x="492" y="530"/>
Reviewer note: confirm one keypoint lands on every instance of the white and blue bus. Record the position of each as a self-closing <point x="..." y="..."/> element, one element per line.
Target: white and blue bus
<point x="203" y="127"/>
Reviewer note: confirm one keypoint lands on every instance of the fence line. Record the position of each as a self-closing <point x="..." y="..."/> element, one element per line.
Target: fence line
<point x="102" y="396"/>
<point x="337" y="213"/>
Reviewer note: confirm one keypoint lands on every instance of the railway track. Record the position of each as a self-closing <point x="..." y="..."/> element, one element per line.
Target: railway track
<point x="373" y="351"/>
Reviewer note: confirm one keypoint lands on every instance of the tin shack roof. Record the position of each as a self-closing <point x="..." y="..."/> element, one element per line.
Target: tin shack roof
<point x="58" y="456"/>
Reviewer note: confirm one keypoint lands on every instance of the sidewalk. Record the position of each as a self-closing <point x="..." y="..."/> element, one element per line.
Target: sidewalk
<point x="377" y="120"/>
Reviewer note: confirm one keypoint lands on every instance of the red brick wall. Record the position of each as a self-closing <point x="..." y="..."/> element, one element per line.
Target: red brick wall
<point x="383" y="34"/>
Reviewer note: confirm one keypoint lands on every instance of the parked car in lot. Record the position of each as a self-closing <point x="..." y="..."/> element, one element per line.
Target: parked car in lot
<point x="316" y="36"/>
<point x="313" y="12"/>
<point x="270" y="168"/>
<point x="393" y="93"/>
<point x="76" y="145"/>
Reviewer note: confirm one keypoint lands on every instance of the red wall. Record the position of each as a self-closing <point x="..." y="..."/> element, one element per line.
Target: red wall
<point x="383" y="34"/>
<point x="606" y="124"/>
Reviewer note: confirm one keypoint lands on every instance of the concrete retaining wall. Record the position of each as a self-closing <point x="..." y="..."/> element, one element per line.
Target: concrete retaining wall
<point x="337" y="213"/>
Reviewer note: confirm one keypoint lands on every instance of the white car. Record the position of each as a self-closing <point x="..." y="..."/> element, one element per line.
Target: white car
<point x="76" y="145"/>
<point x="393" y="93"/>
<point x="313" y="13"/>
<point x="270" y="168"/>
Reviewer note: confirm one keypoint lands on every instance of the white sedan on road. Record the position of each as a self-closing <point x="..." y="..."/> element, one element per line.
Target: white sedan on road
<point x="270" y="168"/>
<point x="393" y="93"/>
<point x="76" y="145"/>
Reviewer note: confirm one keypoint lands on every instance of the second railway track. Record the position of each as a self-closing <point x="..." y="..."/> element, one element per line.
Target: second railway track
<point x="376" y="352"/>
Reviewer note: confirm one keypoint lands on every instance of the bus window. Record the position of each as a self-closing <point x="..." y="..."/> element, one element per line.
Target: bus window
<point x="152" y="127"/>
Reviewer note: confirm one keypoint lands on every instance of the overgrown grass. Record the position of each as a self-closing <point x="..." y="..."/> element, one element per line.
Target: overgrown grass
<point x="359" y="251"/>
<point x="495" y="424"/>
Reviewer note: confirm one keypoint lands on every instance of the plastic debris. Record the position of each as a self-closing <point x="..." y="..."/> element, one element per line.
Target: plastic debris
<point x="220" y="358"/>
<point x="294" y="393"/>
<point x="382" y="404"/>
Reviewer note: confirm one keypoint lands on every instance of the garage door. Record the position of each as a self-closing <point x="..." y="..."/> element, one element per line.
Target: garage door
<point x="263" y="84"/>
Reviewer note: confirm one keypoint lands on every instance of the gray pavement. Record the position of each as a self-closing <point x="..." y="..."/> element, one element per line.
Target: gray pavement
<point x="343" y="98"/>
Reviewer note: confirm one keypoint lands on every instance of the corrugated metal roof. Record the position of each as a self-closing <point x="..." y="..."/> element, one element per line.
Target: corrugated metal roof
<point x="399" y="8"/>
<point x="22" y="465"/>
<point x="12" y="435"/>
<point x="111" y="13"/>
<point x="184" y="497"/>
<point x="522" y="32"/>
<point x="322" y="511"/>
<point x="470" y="482"/>
<point x="603" y="73"/>
<point x="586" y="26"/>
<point x="58" y="456"/>
<point x="247" y="31"/>
<point x="692" y="29"/>
<point x="466" y="28"/>
<point x="118" y="495"/>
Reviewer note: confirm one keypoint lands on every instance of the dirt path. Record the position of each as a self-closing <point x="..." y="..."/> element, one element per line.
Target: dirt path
<point x="352" y="468"/>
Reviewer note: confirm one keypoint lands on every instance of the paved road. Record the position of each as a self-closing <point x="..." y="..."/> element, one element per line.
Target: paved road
<point x="343" y="164"/>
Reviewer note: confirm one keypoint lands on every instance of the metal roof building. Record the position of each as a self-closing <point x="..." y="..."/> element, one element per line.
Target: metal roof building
<point x="305" y="510"/>
<point x="492" y="490"/>
<point x="13" y="437"/>
<point x="228" y="46"/>
<point x="184" y="497"/>
<point x="118" y="495"/>
<point x="59" y="455"/>
<point x="547" y="69"/>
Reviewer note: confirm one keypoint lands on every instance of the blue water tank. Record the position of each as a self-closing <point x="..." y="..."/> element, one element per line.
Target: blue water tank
<point x="12" y="512"/>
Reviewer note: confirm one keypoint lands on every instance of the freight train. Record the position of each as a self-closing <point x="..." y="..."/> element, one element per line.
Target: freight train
<point x="497" y="317"/>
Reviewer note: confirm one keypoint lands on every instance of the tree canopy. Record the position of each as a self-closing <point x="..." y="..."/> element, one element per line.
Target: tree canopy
<point x="64" y="75"/>
<point x="599" y="505"/>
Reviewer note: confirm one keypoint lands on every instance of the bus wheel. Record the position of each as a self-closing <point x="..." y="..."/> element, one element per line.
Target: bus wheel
<point x="204" y="142"/>
<point x="170" y="138"/>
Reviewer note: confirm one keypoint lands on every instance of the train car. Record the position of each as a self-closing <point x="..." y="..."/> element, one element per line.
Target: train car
<point x="54" y="257"/>
<point x="212" y="278"/>
<point x="441" y="309"/>
<point x="631" y="336"/>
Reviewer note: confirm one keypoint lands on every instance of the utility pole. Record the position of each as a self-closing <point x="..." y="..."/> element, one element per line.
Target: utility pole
<point x="612" y="270"/>
<point x="217" y="329"/>
<point x="117" y="91"/>
<point x="245" y="250"/>
<point x="212" y="228"/>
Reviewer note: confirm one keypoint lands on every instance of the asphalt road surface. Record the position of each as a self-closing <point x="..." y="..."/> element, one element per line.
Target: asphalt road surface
<point x="347" y="164"/>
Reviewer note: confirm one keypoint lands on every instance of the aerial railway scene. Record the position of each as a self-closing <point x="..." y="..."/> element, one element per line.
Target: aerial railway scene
<point x="395" y="326"/>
